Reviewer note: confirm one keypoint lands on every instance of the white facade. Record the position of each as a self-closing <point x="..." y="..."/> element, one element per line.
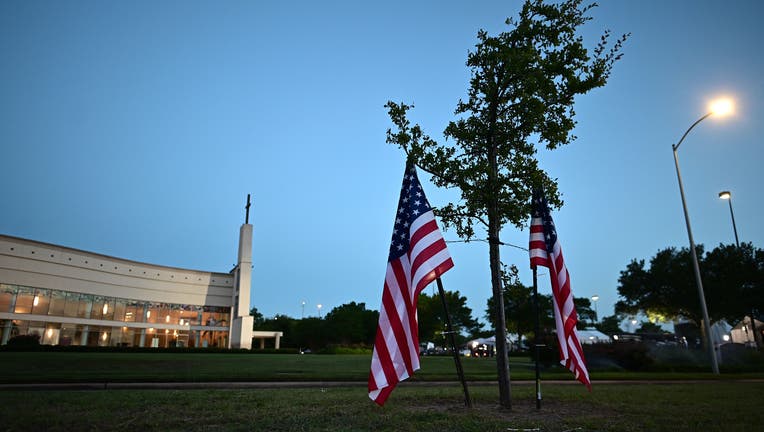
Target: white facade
<point x="55" y="289"/>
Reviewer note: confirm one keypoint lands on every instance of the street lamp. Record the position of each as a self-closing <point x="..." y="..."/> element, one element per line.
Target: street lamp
<point x="319" y="306"/>
<point x="719" y="108"/>
<point x="596" y="316"/>
<point x="727" y="195"/>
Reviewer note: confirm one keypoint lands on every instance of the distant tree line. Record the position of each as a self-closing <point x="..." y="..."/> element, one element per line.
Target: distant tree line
<point x="348" y="325"/>
<point x="733" y="281"/>
<point x="662" y="288"/>
<point x="665" y="287"/>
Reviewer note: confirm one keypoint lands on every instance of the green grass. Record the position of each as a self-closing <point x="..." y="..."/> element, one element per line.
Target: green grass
<point x="33" y="367"/>
<point x="721" y="403"/>
<point x="712" y="406"/>
<point x="62" y="367"/>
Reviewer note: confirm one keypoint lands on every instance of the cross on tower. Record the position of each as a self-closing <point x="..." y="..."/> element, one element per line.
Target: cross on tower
<point x="246" y="218"/>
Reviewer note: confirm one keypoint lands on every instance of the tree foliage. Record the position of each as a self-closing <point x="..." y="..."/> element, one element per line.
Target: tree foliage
<point x="610" y="325"/>
<point x="352" y="324"/>
<point x="733" y="282"/>
<point x="518" y="307"/>
<point x="349" y="324"/>
<point x="521" y="94"/>
<point x="519" y="310"/>
<point x="432" y="318"/>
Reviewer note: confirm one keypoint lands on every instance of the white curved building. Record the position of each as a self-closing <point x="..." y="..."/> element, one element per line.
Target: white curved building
<point x="73" y="297"/>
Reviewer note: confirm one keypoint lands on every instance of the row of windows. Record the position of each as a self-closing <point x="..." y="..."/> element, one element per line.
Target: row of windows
<point x="38" y="301"/>
<point x="83" y="334"/>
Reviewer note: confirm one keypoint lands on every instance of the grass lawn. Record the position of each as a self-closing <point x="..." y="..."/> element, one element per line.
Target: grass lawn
<point x="719" y="403"/>
<point x="706" y="406"/>
<point x="33" y="367"/>
<point x="62" y="367"/>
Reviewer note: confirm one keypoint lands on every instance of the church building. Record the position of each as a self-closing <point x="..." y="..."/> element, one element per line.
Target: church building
<point x="66" y="296"/>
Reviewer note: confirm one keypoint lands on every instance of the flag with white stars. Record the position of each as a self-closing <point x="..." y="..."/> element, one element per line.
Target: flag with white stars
<point x="418" y="256"/>
<point x="545" y="251"/>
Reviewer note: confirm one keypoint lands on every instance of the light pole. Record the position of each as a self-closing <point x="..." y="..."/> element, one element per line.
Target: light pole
<point x="319" y="306"/>
<point x="303" y="310"/>
<point x="727" y="195"/>
<point x="718" y="108"/>
<point x="596" y="315"/>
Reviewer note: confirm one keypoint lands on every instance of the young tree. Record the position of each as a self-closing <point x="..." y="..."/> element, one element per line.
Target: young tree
<point x="521" y="95"/>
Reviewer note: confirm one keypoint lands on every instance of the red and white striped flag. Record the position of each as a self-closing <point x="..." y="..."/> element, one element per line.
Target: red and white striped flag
<point x="545" y="251"/>
<point x="418" y="256"/>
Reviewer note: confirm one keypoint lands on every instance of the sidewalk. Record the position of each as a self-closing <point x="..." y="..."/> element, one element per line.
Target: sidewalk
<point x="223" y="385"/>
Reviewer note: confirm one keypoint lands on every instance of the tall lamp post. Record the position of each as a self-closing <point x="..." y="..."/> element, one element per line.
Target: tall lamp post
<point x="718" y="108"/>
<point x="596" y="315"/>
<point x="727" y="195"/>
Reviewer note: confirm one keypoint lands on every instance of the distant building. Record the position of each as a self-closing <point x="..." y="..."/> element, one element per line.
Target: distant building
<point x="67" y="296"/>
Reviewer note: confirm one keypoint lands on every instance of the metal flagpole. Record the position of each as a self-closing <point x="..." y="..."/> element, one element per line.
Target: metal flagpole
<point x="450" y="332"/>
<point x="536" y="331"/>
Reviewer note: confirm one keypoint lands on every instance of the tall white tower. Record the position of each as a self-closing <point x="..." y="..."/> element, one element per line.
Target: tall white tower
<point x="241" y="320"/>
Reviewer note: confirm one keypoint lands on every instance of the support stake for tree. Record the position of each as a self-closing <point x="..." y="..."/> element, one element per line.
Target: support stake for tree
<point x="450" y="332"/>
<point x="536" y="342"/>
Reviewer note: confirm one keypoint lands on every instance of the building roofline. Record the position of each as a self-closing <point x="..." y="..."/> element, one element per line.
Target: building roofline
<point x="100" y="255"/>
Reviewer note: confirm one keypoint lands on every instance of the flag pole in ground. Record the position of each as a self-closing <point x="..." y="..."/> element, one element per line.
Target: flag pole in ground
<point x="545" y="250"/>
<point x="450" y="332"/>
<point x="536" y="331"/>
<point x="418" y="256"/>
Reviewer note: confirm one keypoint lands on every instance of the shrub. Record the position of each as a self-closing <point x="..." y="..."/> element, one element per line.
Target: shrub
<point x="630" y="355"/>
<point x="25" y="341"/>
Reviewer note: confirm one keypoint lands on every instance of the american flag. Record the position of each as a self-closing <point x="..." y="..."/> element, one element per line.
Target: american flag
<point x="545" y="251"/>
<point x="418" y="256"/>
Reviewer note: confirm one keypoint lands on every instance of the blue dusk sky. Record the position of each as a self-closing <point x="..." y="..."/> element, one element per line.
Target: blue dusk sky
<point x="137" y="129"/>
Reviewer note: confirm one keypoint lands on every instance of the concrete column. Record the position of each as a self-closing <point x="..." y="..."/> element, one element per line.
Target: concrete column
<point x="241" y="321"/>
<point x="244" y="270"/>
<point x="7" y="332"/>
<point x="9" y="323"/>
<point x="142" y="341"/>
<point x="262" y="343"/>
<point x="13" y="303"/>
<point x="84" y="336"/>
<point x="278" y="340"/>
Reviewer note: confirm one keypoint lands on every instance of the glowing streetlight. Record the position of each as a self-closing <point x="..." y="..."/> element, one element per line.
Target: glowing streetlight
<point x="727" y="195"/>
<point x="595" y="298"/>
<point x="319" y="306"/>
<point x="720" y="107"/>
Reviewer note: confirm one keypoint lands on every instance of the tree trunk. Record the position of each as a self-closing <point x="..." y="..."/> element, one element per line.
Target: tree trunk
<point x="502" y="360"/>
<point x="494" y="228"/>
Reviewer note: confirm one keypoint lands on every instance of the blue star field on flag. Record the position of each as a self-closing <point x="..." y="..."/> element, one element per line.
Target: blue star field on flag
<point x="411" y="204"/>
<point x="541" y="209"/>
